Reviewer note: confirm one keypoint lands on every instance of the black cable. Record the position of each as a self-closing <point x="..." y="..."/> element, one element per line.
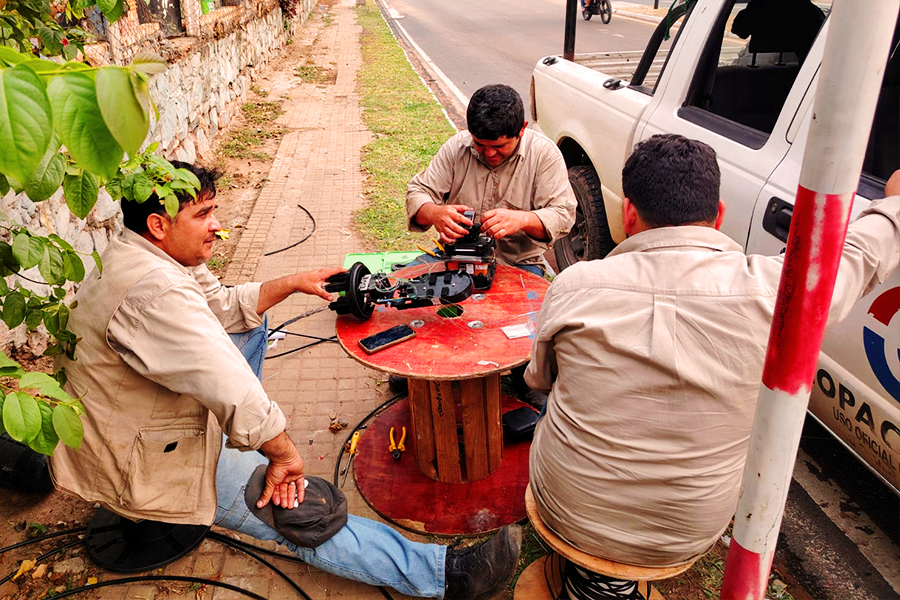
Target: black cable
<point x="308" y="313"/>
<point x="312" y="337"/>
<point x="309" y="235"/>
<point x="42" y="557"/>
<point x="143" y="578"/>
<point x="304" y="347"/>
<point x="42" y="538"/>
<point x="229" y="542"/>
<point x="385" y="404"/>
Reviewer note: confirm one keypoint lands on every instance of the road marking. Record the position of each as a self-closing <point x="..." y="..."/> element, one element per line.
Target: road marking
<point x="448" y="85"/>
<point x="394" y="14"/>
<point x="859" y="529"/>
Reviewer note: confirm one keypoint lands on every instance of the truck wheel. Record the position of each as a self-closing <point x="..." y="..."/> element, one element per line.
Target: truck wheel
<point x="589" y="238"/>
<point x="586" y="14"/>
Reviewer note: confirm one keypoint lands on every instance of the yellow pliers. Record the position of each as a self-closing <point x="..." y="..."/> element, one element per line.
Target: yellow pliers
<point x="396" y="449"/>
<point x="354" y="440"/>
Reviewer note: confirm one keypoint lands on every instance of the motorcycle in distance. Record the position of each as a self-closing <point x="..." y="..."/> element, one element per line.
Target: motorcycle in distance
<point x="589" y="8"/>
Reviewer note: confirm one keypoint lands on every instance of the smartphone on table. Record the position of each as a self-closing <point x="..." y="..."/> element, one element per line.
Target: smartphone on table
<point x="387" y="338"/>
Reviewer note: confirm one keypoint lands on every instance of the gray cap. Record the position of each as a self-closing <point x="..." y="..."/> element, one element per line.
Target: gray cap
<point x="322" y="513"/>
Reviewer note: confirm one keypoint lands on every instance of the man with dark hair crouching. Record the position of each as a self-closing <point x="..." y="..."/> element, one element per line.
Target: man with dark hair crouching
<point x="653" y="357"/>
<point x="170" y="361"/>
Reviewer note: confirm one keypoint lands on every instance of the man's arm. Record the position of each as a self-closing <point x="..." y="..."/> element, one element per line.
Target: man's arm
<point x="312" y="282"/>
<point x="871" y="251"/>
<point x="425" y="203"/>
<point x="285" y="471"/>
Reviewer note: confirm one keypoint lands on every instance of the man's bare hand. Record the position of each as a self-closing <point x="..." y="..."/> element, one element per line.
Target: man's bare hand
<point x="448" y="220"/>
<point x="284" y="475"/>
<point x="313" y="282"/>
<point x="892" y="187"/>
<point x="501" y="222"/>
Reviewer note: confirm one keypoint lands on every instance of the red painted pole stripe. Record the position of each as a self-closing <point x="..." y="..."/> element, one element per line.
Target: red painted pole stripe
<point x="747" y="575"/>
<point x="816" y="238"/>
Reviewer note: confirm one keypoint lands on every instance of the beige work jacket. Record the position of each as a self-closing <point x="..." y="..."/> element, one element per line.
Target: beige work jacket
<point x="161" y="381"/>
<point x="534" y="178"/>
<point x="653" y="359"/>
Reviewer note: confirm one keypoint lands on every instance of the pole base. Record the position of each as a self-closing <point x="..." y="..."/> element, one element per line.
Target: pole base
<point x="118" y="544"/>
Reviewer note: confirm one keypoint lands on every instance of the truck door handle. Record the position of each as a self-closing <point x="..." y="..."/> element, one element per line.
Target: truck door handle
<point x="777" y="220"/>
<point x="612" y="83"/>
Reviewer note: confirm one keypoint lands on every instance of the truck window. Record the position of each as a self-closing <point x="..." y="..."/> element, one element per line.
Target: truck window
<point x="750" y="63"/>
<point x="883" y="151"/>
<point x="656" y="55"/>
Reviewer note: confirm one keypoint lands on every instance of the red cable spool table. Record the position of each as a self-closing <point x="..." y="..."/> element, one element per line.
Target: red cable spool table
<point x="463" y="478"/>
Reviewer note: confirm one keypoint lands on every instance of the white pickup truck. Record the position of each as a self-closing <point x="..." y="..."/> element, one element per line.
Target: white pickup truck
<point x="744" y="84"/>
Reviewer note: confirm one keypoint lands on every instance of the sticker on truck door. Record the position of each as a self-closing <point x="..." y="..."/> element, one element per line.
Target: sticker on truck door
<point x="882" y="349"/>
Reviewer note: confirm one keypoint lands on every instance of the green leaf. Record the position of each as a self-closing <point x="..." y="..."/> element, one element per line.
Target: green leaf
<point x="51" y="319"/>
<point x="80" y="123"/>
<point x="7" y="258"/>
<point x="11" y="57"/>
<point x="21" y="417"/>
<point x="81" y="193"/>
<point x="68" y="426"/>
<point x="149" y="63"/>
<point x="151" y="148"/>
<point x="143" y="187"/>
<point x="63" y="316"/>
<point x="6" y="361"/>
<point x="111" y="8"/>
<point x="114" y="189"/>
<point x="51" y="39"/>
<point x="52" y="267"/>
<point x="13" y="309"/>
<point x="46" y="385"/>
<point x="33" y="317"/>
<point x="74" y="267"/>
<point x="97" y="262"/>
<point x="26" y="122"/>
<point x="28" y="251"/>
<point x="47" y="177"/>
<point x="172" y="205"/>
<point x="4" y="184"/>
<point x="61" y="242"/>
<point x="123" y="113"/>
<point x="4" y="287"/>
<point x="46" y="439"/>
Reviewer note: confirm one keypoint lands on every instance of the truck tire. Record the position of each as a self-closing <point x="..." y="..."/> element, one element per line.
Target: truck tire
<point x="589" y="238"/>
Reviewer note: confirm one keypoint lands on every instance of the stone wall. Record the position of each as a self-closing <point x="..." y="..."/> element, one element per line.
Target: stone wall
<point x="196" y="97"/>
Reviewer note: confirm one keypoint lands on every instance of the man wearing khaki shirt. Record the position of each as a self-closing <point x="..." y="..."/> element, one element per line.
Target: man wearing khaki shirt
<point x="162" y="381"/>
<point x="514" y="178"/>
<point x="653" y="356"/>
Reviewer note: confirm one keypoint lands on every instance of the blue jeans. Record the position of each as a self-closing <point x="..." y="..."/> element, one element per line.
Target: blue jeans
<point x="362" y="550"/>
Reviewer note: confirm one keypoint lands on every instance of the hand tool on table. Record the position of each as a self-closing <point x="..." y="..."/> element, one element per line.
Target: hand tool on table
<point x="354" y="440"/>
<point x="394" y="448"/>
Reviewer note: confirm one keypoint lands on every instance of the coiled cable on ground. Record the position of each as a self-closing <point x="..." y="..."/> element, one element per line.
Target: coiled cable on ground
<point x="308" y="235"/>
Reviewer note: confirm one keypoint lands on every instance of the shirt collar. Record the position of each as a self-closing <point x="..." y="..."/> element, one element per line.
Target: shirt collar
<point x="131" y="238"/>
<point x="694" y="237"/>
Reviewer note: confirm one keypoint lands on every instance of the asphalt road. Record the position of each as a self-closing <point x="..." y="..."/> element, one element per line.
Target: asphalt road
<point x="475" y="42"/>
<point x="840" y="538"/>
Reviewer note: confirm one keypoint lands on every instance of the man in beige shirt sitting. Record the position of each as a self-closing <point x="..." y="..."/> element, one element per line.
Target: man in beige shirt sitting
<point x="653" y="358"/>
<point x="514" y="178"/>
<point x="162" y="381"/>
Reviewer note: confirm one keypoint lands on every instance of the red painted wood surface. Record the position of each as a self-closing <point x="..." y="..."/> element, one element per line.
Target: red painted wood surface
<point x="448" y="348"/>
<point x="398" y="491"/>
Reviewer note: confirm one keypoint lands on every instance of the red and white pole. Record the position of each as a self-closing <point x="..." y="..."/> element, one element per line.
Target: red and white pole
<point x="856" y="52"/>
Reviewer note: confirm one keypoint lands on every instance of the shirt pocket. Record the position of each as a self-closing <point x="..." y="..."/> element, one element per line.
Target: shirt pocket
<point x="164" y="471"/>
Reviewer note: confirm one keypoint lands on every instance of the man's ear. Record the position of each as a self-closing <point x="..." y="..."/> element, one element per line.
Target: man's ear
<point x="721" y="216"/>
<point x="522" y="131"/>
<point x="158" y="226"/>
<point x="629" y="216"/>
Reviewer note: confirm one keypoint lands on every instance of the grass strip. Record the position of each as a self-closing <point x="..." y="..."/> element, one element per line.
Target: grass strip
<point x="409" y="128"/>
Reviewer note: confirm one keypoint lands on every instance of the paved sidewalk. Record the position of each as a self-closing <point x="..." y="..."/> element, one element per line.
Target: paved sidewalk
<point x="317" y="165"/>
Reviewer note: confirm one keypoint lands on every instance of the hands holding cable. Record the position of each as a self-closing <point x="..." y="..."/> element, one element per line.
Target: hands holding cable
<point x="285" y="483"/>
<point x="498" y="223"/>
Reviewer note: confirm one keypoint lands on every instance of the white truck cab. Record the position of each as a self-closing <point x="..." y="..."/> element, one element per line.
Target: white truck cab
<point x="740" y="76"/>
